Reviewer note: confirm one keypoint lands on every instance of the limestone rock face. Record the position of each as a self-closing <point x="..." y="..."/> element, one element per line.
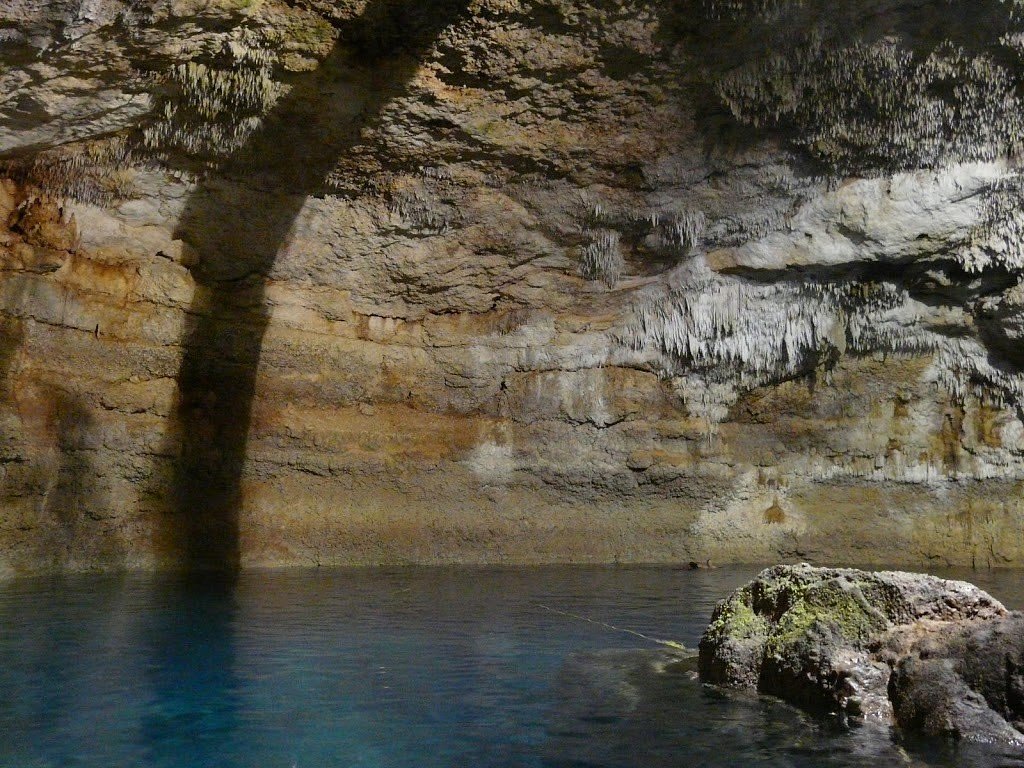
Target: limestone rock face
<point x="369" y="281"/>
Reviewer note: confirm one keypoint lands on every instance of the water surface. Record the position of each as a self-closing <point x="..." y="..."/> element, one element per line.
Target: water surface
<point x="394" y="668"/>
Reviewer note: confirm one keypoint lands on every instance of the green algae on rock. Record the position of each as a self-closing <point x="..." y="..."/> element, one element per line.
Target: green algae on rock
<point x="807" y="634"/>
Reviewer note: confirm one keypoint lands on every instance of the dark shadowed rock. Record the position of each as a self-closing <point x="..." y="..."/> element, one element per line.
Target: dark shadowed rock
<point x="930" y="698"/>
<point x="964" y="682"/>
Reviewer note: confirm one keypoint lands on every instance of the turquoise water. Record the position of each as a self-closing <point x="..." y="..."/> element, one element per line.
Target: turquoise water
<point x="412" y="667"/>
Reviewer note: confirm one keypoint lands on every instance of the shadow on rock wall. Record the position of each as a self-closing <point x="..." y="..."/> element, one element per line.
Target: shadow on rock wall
<point x="71" y="520"/>
<point x="75" y="498"/>
<point x="235" y="224"/>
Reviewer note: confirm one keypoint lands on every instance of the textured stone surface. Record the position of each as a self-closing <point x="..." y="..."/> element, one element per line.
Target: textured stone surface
<point x="965" y="683"/>
<point x="811" y="635"/>
<point x="934" y="658"/>
<point x="508" y="281"/>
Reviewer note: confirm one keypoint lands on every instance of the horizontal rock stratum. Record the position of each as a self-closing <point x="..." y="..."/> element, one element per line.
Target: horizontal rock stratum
<point x="931" y="657"/>
<point x="509" y="281"/>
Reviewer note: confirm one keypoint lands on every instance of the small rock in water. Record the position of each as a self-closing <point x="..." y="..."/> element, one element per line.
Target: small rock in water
<point x="695" y="565"/>
<point x="932" y="657"/>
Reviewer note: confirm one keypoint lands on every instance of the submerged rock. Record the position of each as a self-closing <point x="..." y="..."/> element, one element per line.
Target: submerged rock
<point x="931" y="656"/>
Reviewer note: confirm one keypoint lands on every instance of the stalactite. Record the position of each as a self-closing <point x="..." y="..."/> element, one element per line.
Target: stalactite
<point x="730" y="328"/>
<point x="216" y="108"/>
<point x="95" y="172"/>
<point x="682" y="232"/>
<point x="725" y="9"/>
<point x="421" y="208"/>
<point x="876" y="107"/>
<point x="602" y="258"/>
<point x="997" y="242"/>
<point x="726" y="331"/>
<point x="669" y="233"/>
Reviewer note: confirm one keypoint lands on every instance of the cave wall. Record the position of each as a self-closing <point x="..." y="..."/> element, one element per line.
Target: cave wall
<point x="509" y="281"/>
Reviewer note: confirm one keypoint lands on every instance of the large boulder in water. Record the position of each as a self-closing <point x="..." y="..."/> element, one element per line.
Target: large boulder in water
<point x="930" y="655"/>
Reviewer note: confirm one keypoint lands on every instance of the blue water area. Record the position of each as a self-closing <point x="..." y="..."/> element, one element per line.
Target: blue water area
<point x="398" y="668"/>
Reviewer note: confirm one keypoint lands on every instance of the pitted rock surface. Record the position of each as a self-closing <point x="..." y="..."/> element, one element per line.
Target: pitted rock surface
<point x="934" y="657"/>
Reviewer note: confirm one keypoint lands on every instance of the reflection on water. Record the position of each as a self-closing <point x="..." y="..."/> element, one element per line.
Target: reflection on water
<point x="417" y="667"/>
<point x="188" y="650"/>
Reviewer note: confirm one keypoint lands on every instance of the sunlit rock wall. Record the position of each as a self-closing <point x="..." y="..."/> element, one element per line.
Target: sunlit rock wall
<point x="485" y="281"/>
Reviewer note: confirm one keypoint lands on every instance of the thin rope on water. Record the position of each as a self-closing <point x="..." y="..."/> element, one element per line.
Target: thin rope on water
<point x="668" y="643"/>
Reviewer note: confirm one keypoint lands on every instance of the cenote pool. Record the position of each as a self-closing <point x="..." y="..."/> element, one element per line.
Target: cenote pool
<point x="410" y="667"/>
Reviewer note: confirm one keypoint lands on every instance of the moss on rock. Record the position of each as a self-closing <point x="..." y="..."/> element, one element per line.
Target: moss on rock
<point x="804" y="633"/>
<point x="738" y="620"/>
<point x="840" y="606"/>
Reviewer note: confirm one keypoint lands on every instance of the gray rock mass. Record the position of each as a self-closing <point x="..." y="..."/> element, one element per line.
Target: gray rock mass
<point x="936" y="659"/>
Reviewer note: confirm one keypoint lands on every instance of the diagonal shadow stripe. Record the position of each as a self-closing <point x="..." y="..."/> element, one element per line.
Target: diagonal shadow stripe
<point x="236" y="223"/>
